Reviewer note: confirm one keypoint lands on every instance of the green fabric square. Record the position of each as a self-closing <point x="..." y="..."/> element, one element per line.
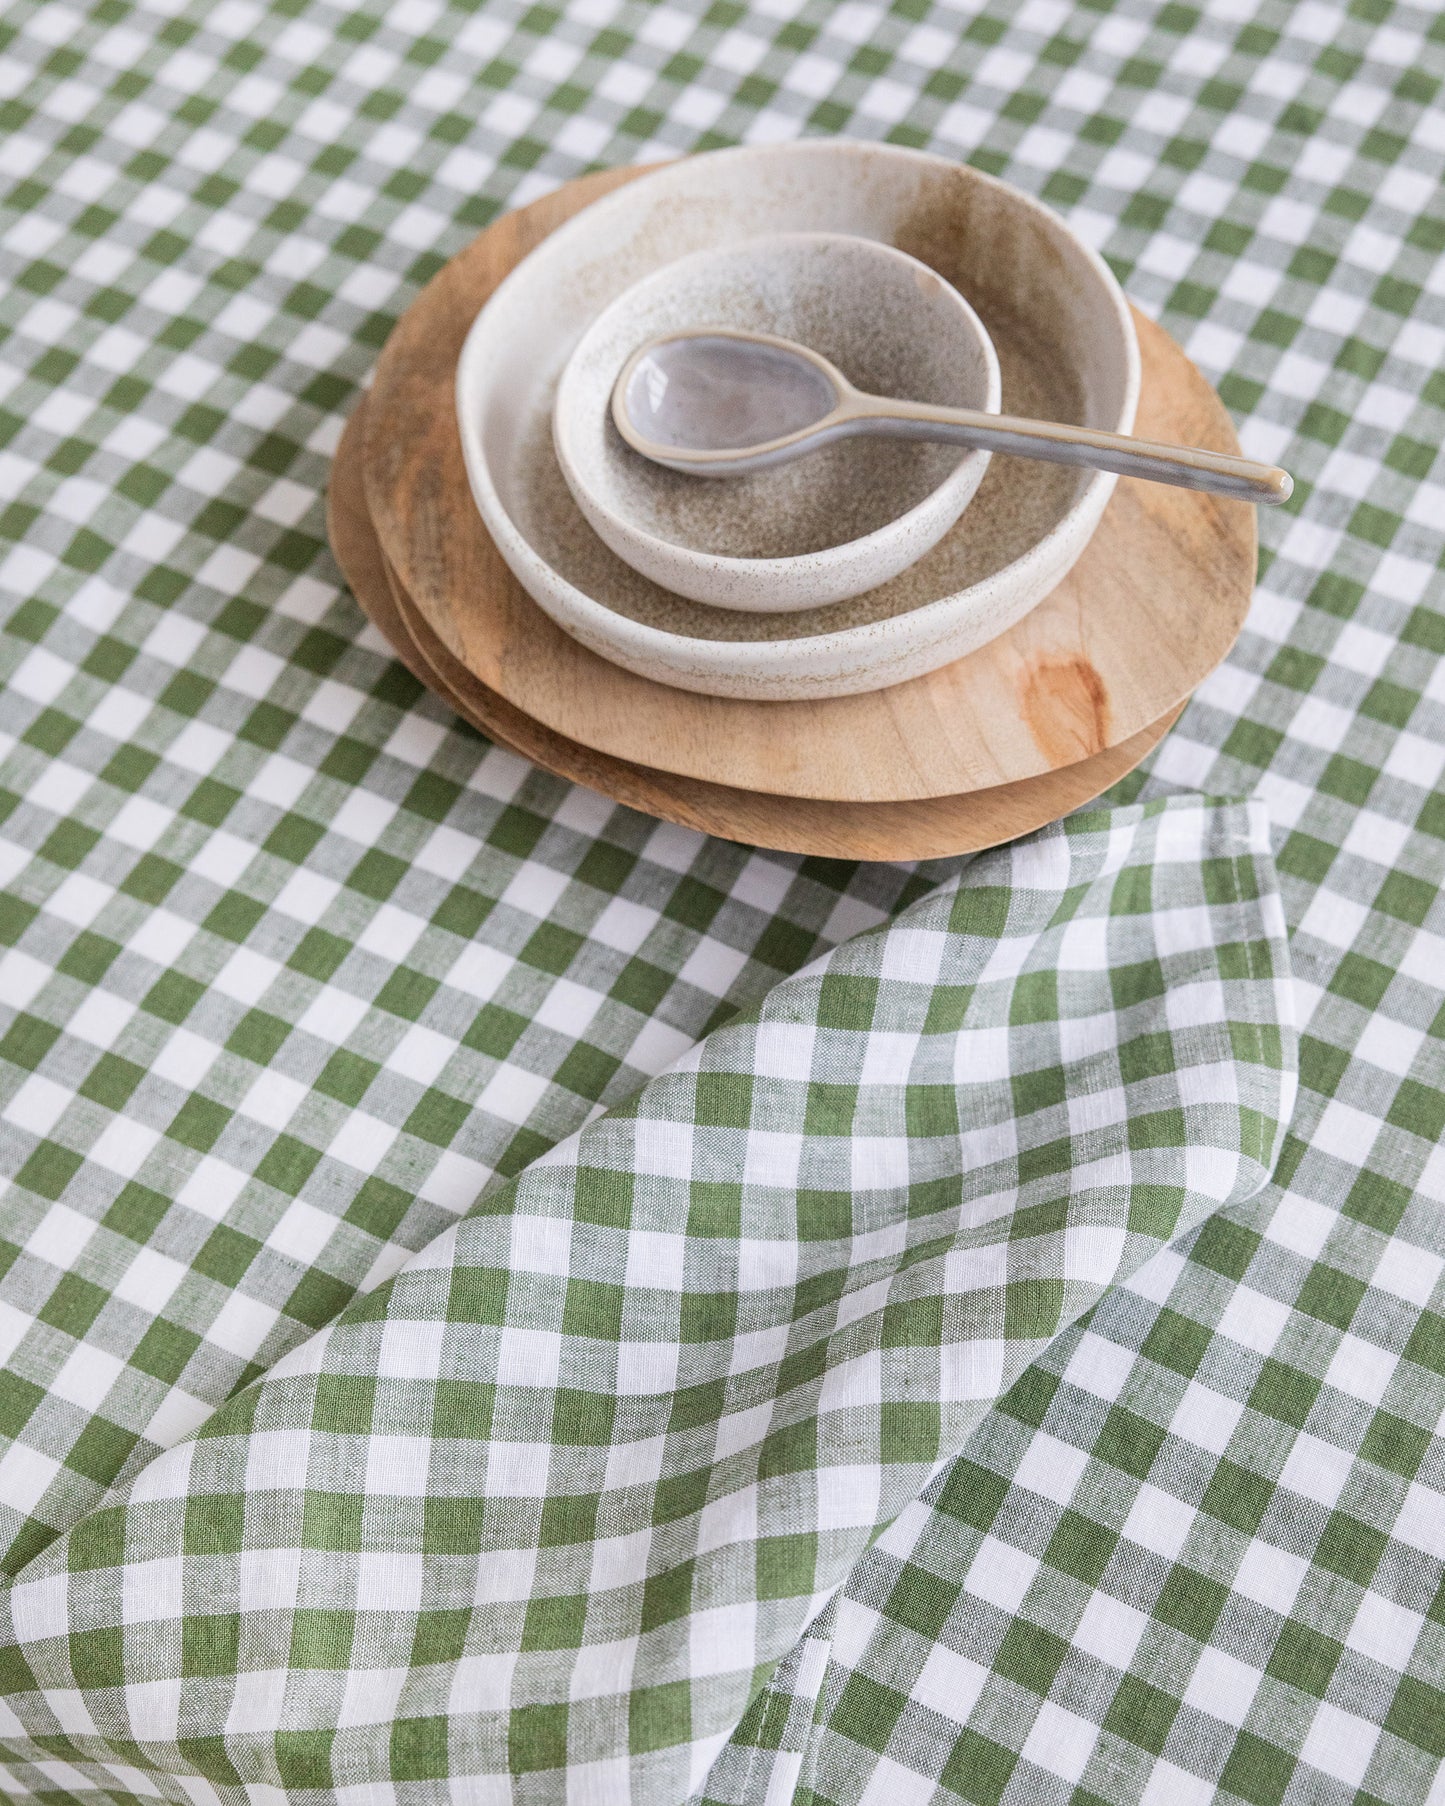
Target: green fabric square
<point x="210" y="1644"/>
<point x="978" y="1769"/>
<point x="1257" y="1771"/>
<point x="1237" y="1496"/>
<point x="1191" y="1602"/>
<point x="1141" y="1714"/>
<point x="420" y="1750"/>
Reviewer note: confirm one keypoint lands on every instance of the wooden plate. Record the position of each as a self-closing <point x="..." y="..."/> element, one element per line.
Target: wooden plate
<point x="1152" y="606"/>
<point x="912" y="830"/>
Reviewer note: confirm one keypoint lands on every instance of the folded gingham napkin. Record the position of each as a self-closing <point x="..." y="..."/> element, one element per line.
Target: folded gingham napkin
<point x="538" y="1517"/>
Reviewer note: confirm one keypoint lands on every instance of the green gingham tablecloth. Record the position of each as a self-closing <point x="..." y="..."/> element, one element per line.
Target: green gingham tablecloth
<point x="307" y="989"/>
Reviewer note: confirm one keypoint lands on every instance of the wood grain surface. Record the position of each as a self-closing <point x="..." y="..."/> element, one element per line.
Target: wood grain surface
<point x="1152" y="606"/>
<point x="924" y="829"/>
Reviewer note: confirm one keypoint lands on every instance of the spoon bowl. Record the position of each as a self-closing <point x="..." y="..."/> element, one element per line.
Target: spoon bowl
<point x="831" y="527"/>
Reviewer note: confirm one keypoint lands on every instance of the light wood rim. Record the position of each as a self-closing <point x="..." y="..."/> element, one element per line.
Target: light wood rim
<point x="933" y="828"/>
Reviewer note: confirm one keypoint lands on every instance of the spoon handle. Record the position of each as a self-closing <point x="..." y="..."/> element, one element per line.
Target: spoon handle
<point x="1185" y="466"/>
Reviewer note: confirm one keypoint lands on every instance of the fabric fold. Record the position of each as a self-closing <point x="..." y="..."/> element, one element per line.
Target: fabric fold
<point x="538" y="1518"/>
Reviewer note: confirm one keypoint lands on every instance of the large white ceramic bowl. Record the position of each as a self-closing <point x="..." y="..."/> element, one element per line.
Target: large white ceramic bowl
<point x="830" y="525"/>
<point x="1066" y="348"/>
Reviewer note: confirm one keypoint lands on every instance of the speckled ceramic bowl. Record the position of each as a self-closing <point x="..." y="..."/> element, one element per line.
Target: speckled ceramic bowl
<point x="1066" y="350"/>
<point x="830" y="525"/>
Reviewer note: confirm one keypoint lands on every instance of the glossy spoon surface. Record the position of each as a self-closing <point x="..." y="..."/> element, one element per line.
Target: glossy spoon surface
<point x="717" y="402"/>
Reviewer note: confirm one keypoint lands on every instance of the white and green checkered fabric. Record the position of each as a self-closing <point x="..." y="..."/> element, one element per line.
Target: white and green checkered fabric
<point x="296" y="967"/>
<point x="560" y="1494"/>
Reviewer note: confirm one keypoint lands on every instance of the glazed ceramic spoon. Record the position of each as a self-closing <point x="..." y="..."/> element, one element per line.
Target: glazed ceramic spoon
<point x="715" y="402"/>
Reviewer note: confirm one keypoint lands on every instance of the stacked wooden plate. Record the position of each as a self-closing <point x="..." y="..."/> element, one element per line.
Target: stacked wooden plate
<point x="1020" y="732"/>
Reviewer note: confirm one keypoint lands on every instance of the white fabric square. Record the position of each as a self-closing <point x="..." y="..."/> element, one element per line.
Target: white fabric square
<point x="890" y="1784"/>
<point x="1340" y="1744"/>
<point x="1206" y="1418"/>
<point x="454" y="1183"/>
<point x="1421" y="1522"/>
<point x="302" y="1232"/>
<point x="1000" y="1574"/>
<point x="267" y="1580"/>
<point x="398" y="1466"/>
<point x="421" y="1054"/>
<point x="78" y="899"/>
<point x="1051" y="1467"/>
<point x="619" y="1561"/>
<point x="1060" y="1741"/>
<point x="888" y="1057"/>
<point x="257" y="1697"/>
<point x="623" y="925"/>
<point x="722" y="1639"/>
<point x="655" y="1259"/>
<point x="391" y="932"/>
<point x="913" y="956"/>
<point x="646" y="1369"/>
<point x="370" y="1697"/>
<point x="1408" y="1272"/>
<point x="1092" y="1252"/>
<point x="62" y="1234"/>
<point x="1254" y="1320"/>
<point x="1159" y="1521"/>
<point x="362" y="1141"/>
<point x="763" y="1266"/>
<point x="247" y="975"/>
<point x="880" y="1162"/>
<point x="1316" y="1469"/>
<point x="86" y="1376"/>
<point x="848" y="1497"/>
<point x="528" y="1357"/>
<point x="1385" y="1631"/>
<point x="661" y="1149"/>
<point x="277" y="1460"/>
<point x="410" y="1350"/>
<point x="1222" y="1686"/>
<point x="1110" y="1630"/>
<point x="71" y="1712"/>
<point x="541" y="1245"/>
<point x="389" y="1580"/>
<point x="569" y="1008"/>
<point x="949" y="1683"/>
<point x="518" y="1470"/>
<point x="123" y="1146"/>
<point x="1301" y="1225"/>
<point x="212" y="1187"/>
<point x="745" y="1429"/>
<point x="1099" y="1366"/>
<point x="1170" y="1785"/>
<point x="241" y="1325"/>
<point x="151" y="1591"/>
<point x="1362" y="1369"/>
<point x="153" y="1710"/>
<point x="1270" y="1576"/>
<point x="784" y="1050"/>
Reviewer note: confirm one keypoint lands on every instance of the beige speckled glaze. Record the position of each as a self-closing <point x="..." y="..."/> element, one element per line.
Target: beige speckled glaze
<point x="1066" y="349"/>
<point x="838" y="522"/>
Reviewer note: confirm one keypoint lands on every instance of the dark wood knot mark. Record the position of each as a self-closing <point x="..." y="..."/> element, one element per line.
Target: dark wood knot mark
<point x="1067" y="709"/>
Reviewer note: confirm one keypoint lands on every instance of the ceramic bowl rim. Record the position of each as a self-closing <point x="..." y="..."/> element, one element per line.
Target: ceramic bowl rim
<point x="737" y="659"/>
<point x="830" y="558"/>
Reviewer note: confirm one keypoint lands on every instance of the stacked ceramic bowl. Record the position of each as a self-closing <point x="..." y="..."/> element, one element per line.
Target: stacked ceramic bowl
<point x="885" y="648"/>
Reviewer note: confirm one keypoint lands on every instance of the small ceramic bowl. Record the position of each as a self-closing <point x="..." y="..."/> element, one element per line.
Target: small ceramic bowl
<point x="1066" y="348"/>
<point x="826" y="526"/>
